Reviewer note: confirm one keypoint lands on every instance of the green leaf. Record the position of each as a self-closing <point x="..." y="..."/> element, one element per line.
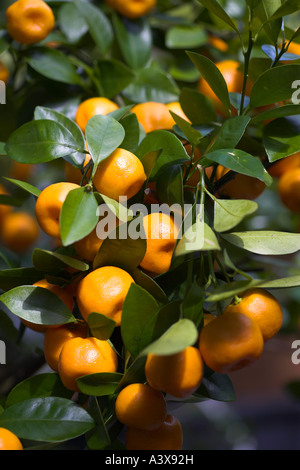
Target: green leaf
<point x="132" y="133"/>
<point x="282" y="138"/>
<point x="54" y="65"/>
<point x="282" y="283"/>
<point x="53" y="115"/>
<point x="229" y="213"/>
<point x="73" y="25"/>
<point x="53" y="262"/>
<point x="149" y="284"/>
<point x="135" y="319"/>
<point x="40" y="141"/>
<point x="178" y="337"/>
<point x="238" y="161"/>
<point x="197" y="107"/>
<point x="213" y="76"/>
<point x="37" y="305"/>
<point x="99" y="26"/>
<point x="26" y="186"/>
<point x="99" y="385"/>
<point x="151" y="84"/>
<point x="190" y="133"/>
<point x="134" y="39"/>
<point x="265" y="242"/>
<point x="198" y="237"/>
<point x="103" y="135"/>
<point x="169" y="186"/>
<point x="230" y="289"/>
<point x="279" y="112"/>
<point x="217" y="387"/>
<point x="48" y="419"/>
<point x="120" y="211"/>
<point x="214" y="7"/>
<point x="192" y="305"/>
<point x="172" y="150"/>
<point x="101" y="326"/>
<point x="264" y="11"/>
<point x="230" y="133"/>
<point x="121" y="249"/>
<point x="38" y="386"/>
<point x="287" y="8"/>
<point x="186" y="37"/>
<point x="115" y="76"/>
<point x="10" y="278"/>
<point x="274" y="85"/>
<point x="78" y="216"/>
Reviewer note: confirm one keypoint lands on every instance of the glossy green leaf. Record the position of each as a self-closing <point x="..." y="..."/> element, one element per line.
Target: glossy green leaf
<point x="229" y="289"/>
<point x="217" y="387"/>
<point x="115" y="76"/>
<point x="175" y="339"/>
<point x="138" y="309"/>
<point x="263" y="242"/>
<point x="99" y="385"/>
<point x="274" y="85"/>
<point x="54" y="65"/>
<point x="278" y="112"/>
<point x="264" y="11"/>
<point x="98" y="23"/>
<point x="134" y="39"/>
<point x="282" y="138"/>
<point x="10" y="278"/>
<point x="103" y="135"/>
<point x="230" y="133"/>
<point x="26" y="186"/>
<point x="48" y="419"/>
<point x="37" y="305"/>
<point x="214" y="7"/>
<point x="40" y="141"/>
<point x="198" y="237"/>
<point x="152" y="84"/>
<point x="169" y="186"/>
<point x="41" y="385"/>
<point x="238" y="161"/>
<point x="52" y="262"/>
<point x="282" y="283"/>
<point x="192" y="305"/>
<point x="101" y="326"/>
<point x="197" y="107"/>
<point x="229" y="213"/>
<point x="78" y="216"/>
<point x="71" y="23"/>
<point x="132" y="133"/>
<point x="53" y="115"/>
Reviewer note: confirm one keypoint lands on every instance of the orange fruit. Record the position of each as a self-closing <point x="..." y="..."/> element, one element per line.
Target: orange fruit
<point x="75" y="175"/>
<point x="49" y="204"/>
<point x="234" y="79"/>
<point x="140" y="406"/>
<point x="289" y="189"/>
<point x="262" y="307"/>
<point x="168" y="436"/>
<point x="208" y="317"/>
<point x="19" y="231"/>
<point x="4" y="209"/>
<point x="218" y="43"/>
<point x="104" y="291"/>
<point x="294" y="48"/>
<point x="92" y="107"/>
<point x="285" y="164"/>
<point x="241" y="186"/>
<point x="161" y="235"/>
<point x="84" y="356"/>
<point x="231" y="342"/>
<point x="153" y="116"/>
<point x="20" y="171"/>
<point x="132" y="8"/>
<point x="178" y="374"/>
<point x="61" y="293"/>
<point x="9" y="441"/>
<point x="29" y="21"/>
<point x="55" y="338"/>
<point x="4" y="73"/>
<point x="120" y="175"/>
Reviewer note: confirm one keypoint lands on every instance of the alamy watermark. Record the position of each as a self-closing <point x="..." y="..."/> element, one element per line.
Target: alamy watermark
<point x="2" y="92"/>
<point x="2" y="352"/>
<point x="296" y="353"/>
<point x="296" y="95"/>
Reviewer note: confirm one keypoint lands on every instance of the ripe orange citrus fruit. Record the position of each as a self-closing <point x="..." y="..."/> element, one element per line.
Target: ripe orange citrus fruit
<point x="20" y="171"/>
<point x="168" y="436"/>
<point x="29" y="21"/>
<point x="289" y="189"/>
<point x="178" y="374"/>
<point x="140" y="406"/>
<point x="218" y="43"/>
<point x="153" y="116"/>
<point x="230" y="342"/>
<point x="161" y="235"/>
<point x="92" y="107"/>
<point x="234" y="79"/>
<point x="132" y="8"/>
<point x="48" y="206"/>
<point x="285" y="164"/>
<point x="120" y="175"/>
<point x="4" y="209"/>
<point x="9" y="441"/>
<point x="4" y="73"/>
<point x="262" y="307"/>
<point x="104" y="291"/>
<point x="19" y="231"/>
<point x="241" y="186"/>
<point x="84" y="356"/>
<point x="55" y="338"/>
